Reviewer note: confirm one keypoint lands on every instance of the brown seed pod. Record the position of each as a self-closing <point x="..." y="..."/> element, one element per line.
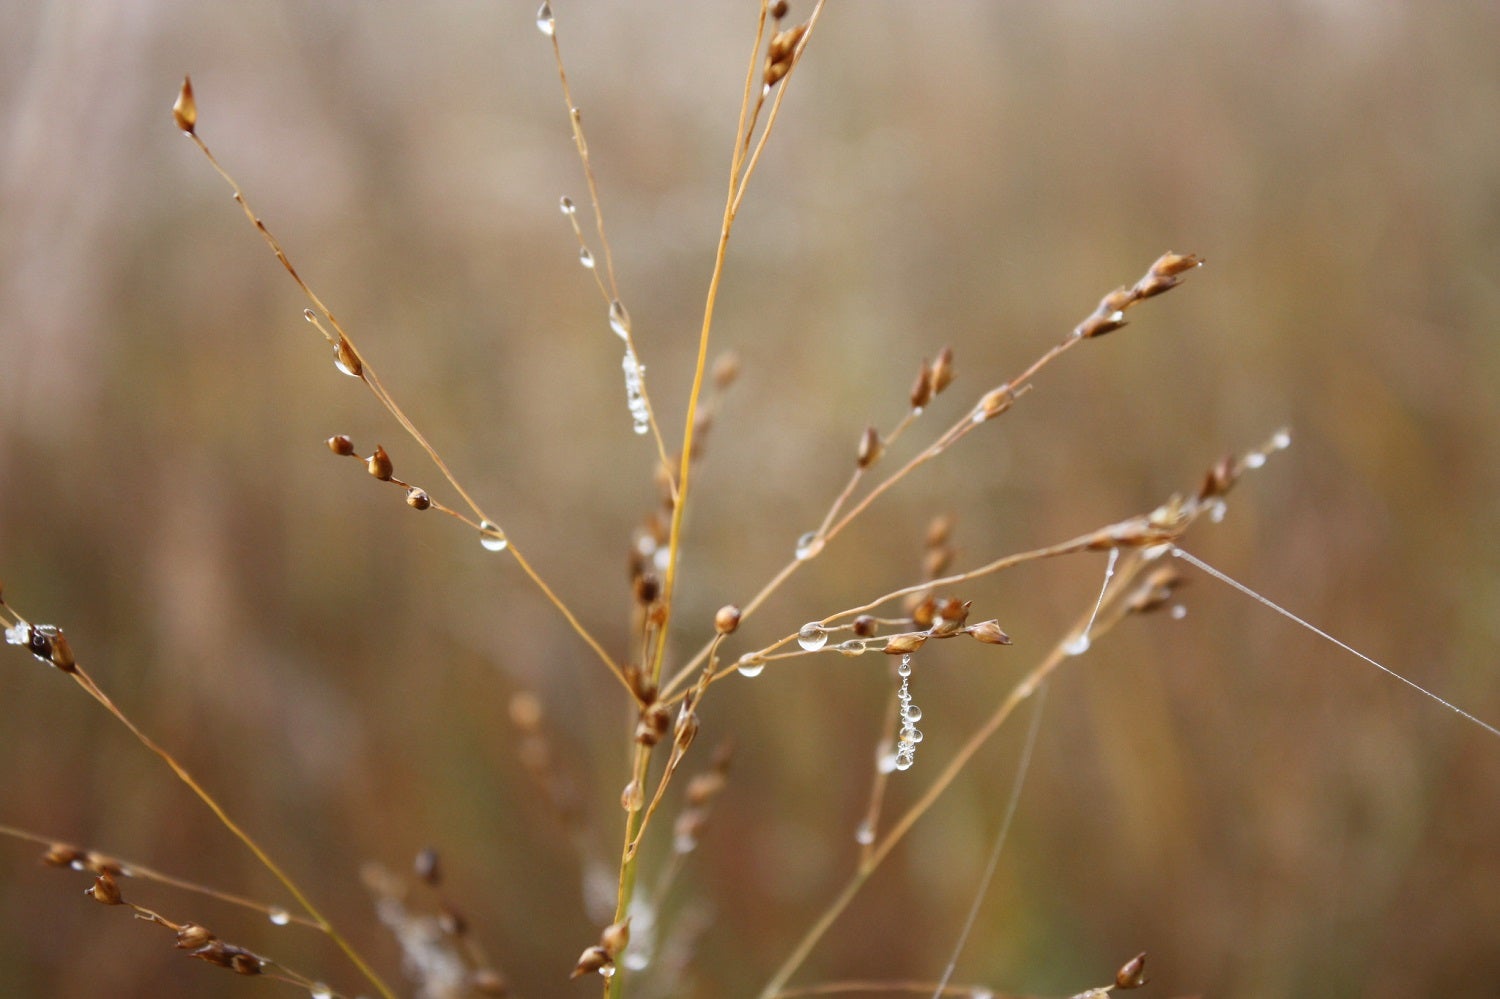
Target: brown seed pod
<point x="341" y="444"/>
<point x="727" y="619"/>
<point x="379" y="464"/>
<point x="185" y="109"/>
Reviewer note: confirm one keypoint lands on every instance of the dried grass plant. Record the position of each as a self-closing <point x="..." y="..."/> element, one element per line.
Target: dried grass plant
<point x="660" y="747"/>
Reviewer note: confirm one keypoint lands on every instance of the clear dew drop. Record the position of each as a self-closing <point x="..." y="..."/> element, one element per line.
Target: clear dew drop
<point x="904" y="669"/>
<point x="1254" y="459"/>
<point x="864" y="835"/>
<point x="636" y="961"/>
<point x="904" y="761"/>
<point x="491" y="538"/>
<point x="852" y="647"/>
<point x="607" y="970"/>
<point x="566" y="206"/>
<point x="911" y="713"/>
<point x="812" y="636"/>
<point x="1178" y="612"/>
<point x="338" y="362"/>
<point x="619" y="319"/>
<point x="320" y="991"/>
<point x="808" y="546"/>
<point x="278" y="916"/>
<point x="751" y="667"/>
<point x="544" y="22"/>
<point x="1077" y="645"/>
<point x="1281" y="440"/>
<point x="913" y="735"/>
<point x="586" y="258"/>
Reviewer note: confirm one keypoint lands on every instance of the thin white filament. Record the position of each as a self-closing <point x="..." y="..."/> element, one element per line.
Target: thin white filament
<point x="1179" y="553"/>
<point x="1022" y="766"/>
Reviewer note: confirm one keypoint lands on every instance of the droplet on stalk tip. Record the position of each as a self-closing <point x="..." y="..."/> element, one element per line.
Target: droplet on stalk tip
<point x="544" y="22"/>
<point x="808" y="546"/>
<point x="751" y="667"/>
<point x="619" y="319"/>
<point x="812" y="636"/>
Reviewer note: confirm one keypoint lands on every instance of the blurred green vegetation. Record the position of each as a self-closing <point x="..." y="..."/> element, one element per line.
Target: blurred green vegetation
<point x="1260" y="812"/>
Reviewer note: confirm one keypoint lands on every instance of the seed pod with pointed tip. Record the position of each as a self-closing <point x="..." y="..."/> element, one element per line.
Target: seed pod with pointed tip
<point x="615" y="937"/>
<point x="1171" y="264"/>
<point x="185" y="109"/>
<point x="106" y="890"/>
<point x="870" y="447"/>
<point x="62" y="654"/>
<point x="921" y="389"/>
<point x="900" y="645"/>
<point x="379" y="464"/>
<point x="994" y="402"/>
<point x="591" y="960"/>
<point x="942" y="370"/>
<point x="989" y="632"/>
<point x="1132" y="974"/>
<point x="62" y="855"/>
<point x="341" y="444"/>
<point x="191" y="936"/>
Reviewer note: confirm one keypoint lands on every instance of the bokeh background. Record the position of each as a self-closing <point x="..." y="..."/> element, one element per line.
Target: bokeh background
<point x="1262" y="813"/>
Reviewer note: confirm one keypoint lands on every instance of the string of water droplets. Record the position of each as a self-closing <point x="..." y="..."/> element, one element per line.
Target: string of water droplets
<point x="910" y="735"/>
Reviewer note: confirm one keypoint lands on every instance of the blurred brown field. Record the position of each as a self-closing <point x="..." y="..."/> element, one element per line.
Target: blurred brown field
<point x="1262" y="813"/>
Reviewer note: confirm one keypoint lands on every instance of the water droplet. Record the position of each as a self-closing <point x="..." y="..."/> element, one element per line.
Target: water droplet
<point x="911" y="713"/>
<point x="812" y="636"/>
<point x="913" y="735"/>
<point x="808" y="546"/>
<point x="586" y="258"/>
<point x="904" y="670"/>
<point x="636" y="960"/>
<point x="1077" y="645"/>
<point x="635" y="392"/>
<point x="685" y="843"/>
<point x="19" y="634"/>
<point x="491" y="537"/>
<point x="1254" y="459"/>
<point x="865" y="834"/>
<point x="607" y="970"/>
<point x="320" y="991"/>
<point x="750" y="667"/>
<point x="852" y="647"/>
<point x="310" y="315"/>
<point x="1178" y="612"/>
<point x="1216" y="511"/>
<point x="345" y="360"/>
<point x="566" y="205"/>
<point x="544" y="22"/>
<point x="905" y="760"/>
<point x="1281" y="440"/>
<point x="619" y="319"/>
<point x="278" y="916"/>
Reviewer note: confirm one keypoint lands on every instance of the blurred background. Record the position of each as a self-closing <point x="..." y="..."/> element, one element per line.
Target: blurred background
<point x="1259" y="811"/>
